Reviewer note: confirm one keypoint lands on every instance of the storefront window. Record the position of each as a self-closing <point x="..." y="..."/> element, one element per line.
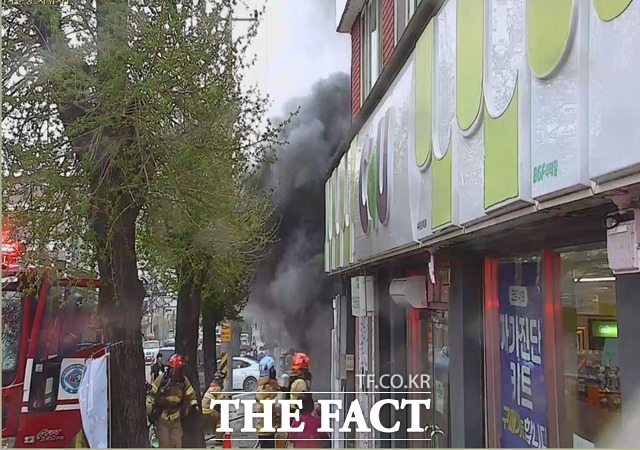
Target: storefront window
<point x="590" y="348"/>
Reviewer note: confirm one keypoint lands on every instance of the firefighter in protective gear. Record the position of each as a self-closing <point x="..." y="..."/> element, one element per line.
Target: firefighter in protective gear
<point x="268" y="389"/>
<point x="211" y="416"/>
<point x="149" y="400"/>
<point x="173" y="398"/>
<point x="299" y="378"/>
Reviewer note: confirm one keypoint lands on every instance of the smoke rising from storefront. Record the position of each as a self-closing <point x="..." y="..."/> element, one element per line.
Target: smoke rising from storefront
<point x="291" y="295"/>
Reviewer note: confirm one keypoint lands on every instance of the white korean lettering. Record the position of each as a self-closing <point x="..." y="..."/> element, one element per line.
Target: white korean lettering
<point x="521" y="385"/>
<point x="525" y="381"/>
<point x="503" y="331"/>
<point x="535" y="443"/>
<point x="528" y="430"/>
<point x="542" y="433"/>
<point x="524" y="339"/>
<point x="535" y="337"/>
<point x="511" y="333"/>
<point x="515" y="385"/>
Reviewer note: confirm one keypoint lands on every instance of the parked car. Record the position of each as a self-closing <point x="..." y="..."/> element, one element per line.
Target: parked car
<point x="150" y="349"/>
<point x="246" y="372"/>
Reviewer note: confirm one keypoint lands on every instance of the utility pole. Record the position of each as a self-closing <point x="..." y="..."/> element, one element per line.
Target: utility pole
<point x="229" y="347"/>
<point x="235" y="341"/>
<point x="226" y="360"/>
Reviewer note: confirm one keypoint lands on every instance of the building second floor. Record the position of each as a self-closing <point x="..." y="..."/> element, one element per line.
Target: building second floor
<point x="375" y="27"/>
<point x="483" y="110"/>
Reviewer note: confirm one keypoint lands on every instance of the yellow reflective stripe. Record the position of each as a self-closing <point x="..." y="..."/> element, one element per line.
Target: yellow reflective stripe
<point x="170" y="415"/>
<point x="190" y="391"/>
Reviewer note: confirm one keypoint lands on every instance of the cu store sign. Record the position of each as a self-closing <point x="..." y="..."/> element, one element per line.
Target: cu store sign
<point x="374" y="180"/>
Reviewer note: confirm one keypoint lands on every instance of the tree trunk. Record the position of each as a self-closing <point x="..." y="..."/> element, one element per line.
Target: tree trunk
<point x="120" y="308"/>
<point x="187" y="325"/>
<point x="209" y="323"/>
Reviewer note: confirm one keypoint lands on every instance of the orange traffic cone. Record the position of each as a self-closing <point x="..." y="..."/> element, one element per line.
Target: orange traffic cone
<point x="226" y="440"/>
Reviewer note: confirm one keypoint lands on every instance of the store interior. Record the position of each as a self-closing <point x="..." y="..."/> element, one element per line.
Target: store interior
<point x="592" y="386"/>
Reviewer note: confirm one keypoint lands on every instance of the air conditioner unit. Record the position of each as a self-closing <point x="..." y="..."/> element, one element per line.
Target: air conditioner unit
<point x="623" y="246"/>
<point x="362" y="295"/>
<point x="411" y="291"/>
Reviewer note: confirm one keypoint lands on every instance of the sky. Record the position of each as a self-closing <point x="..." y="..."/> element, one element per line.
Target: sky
<point x="297" y="44"/>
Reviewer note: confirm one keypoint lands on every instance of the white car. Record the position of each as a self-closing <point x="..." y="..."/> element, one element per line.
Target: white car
<point x="246" y="372"/>
<point x="150" y="349"/>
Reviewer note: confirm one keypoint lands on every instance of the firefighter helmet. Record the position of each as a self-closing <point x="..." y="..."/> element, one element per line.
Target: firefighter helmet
<point x="266" y="364"/>
<point x="176" y="361"/>
<point x="300" y="361"/>
<point x="218" y="377"/>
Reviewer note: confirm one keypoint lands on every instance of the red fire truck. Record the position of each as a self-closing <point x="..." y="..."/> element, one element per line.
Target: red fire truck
<point x="47" y="333"/>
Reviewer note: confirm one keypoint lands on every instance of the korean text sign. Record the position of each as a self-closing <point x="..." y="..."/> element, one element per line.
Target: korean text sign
<point x="524" y="408"/>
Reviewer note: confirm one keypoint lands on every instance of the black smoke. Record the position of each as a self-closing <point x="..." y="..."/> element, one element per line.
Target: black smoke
<point x="291" y="295"/>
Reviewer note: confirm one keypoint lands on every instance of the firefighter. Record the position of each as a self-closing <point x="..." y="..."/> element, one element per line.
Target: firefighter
<point x="173" y="397"/>
<point x="299" y="378"/>
<point x="268" y="389"/>
<point x="212" y="416"/>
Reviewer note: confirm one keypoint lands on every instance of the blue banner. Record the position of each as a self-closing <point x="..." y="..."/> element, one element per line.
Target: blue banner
<point x="523" y="392"/>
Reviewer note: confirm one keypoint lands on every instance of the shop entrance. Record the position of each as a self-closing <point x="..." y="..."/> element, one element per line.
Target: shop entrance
<point x="429" y="330"/>
<point x="428" y="339"/>
<point x="437" y="431"/>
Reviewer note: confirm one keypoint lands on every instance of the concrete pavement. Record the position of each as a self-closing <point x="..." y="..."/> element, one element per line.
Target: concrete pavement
<point x="238" y="438"/>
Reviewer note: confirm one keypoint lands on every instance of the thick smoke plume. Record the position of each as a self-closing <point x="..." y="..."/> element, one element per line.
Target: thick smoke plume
<point x="292" y="296"/>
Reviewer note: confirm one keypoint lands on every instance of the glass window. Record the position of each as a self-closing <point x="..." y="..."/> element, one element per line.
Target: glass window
<point x="77" y="319"/>
<point x="404" y="10"/>
<point x="151" y="344"/>
<point x="590" y="347"/>
<point x="11" y="325"/>
<point x="401" y="19"/>
<point x="239" y="364"/>
<point x="370" y="47"/>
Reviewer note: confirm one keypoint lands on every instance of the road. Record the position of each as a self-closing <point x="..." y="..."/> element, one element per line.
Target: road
<point x="238" y="438"/>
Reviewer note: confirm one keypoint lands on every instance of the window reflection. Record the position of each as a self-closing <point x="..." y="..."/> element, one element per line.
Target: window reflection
<point x="11" y="318"/>
<point x="590" y="347"/>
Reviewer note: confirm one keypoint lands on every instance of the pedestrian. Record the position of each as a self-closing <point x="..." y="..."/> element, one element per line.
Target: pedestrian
<point x="211" y="416"/>
<point x="299" y="378"/>
<point x="173" y="398"/>
<point x="268" y="389"/>
<point x="309" y="437"/>
<point x="157" y="368"/>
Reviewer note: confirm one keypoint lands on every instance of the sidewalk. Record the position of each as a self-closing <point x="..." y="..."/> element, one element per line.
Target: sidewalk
<point x="238" y="438"/>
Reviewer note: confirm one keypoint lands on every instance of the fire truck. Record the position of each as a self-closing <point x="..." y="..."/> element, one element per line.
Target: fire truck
<point x="48" y="332"/>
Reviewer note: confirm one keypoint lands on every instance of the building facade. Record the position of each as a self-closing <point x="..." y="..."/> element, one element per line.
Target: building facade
<point x="159" y="317"/>
<point x="483" y="214"/>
